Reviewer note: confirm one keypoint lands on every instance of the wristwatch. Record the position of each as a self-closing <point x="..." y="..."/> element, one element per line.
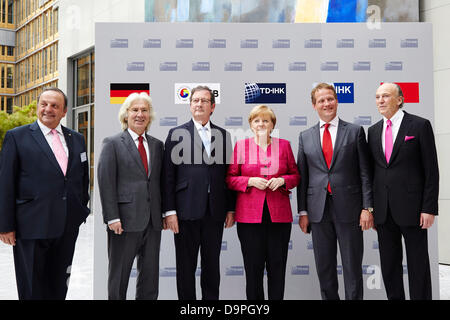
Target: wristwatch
<point x="370" y="209"/>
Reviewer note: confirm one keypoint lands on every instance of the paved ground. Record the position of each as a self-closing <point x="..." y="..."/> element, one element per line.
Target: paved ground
<point x="82" y="269"/>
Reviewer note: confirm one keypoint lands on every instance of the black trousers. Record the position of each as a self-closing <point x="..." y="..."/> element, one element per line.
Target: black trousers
<point x="43" y="266"/>
<point x="194" y="235"/>
<point x="326" y="235"/>
<point x="391" y="257"/>
<point x="264" y="245"/>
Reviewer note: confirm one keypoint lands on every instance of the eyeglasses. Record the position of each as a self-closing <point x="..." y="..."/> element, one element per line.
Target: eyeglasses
<point x="203" y="101"/>
<point x="136" y="110"/>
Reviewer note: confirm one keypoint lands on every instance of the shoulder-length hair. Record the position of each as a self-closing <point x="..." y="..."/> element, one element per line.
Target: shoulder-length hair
<point x="129" y="101"/>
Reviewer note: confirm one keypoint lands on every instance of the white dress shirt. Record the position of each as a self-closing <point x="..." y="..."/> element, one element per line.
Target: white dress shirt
<point x="47" y="132"/>
<point x="333" y="127"/>
<point x="396" y="121"/>
<point x="135" y="138"/>
<point x="199" y="127"/>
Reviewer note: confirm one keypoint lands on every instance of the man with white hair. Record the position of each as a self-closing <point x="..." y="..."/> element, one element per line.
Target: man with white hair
<point x="129" y="173"/>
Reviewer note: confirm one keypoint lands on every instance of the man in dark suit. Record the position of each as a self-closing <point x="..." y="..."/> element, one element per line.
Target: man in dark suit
<point x="129" y="174"/>
<point x="196" y="199"/>
<point x="335" y="196"/>
<point x="44" y="191"/>
<point x="406" y="188"/>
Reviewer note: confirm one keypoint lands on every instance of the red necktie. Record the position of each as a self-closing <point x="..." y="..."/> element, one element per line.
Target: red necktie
<point x="142" y="153"/>
<point x="327" y="148"/>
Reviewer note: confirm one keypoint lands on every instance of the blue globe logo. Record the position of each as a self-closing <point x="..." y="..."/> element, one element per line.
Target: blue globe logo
<point x="252" y="92"/>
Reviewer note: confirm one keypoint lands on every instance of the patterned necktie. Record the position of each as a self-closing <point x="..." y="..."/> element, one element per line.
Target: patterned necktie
<point x="205" y="139"/>
<point x="327" y="148"/>
<point x="388" y="143"/>
<point x="142" y="153"/>
<point x="59" y="152"/>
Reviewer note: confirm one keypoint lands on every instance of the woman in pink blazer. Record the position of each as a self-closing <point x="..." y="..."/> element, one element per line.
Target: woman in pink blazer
<point x="262" y="171"/>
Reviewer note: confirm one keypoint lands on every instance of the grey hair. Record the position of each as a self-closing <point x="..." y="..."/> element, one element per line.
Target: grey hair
<point x="400" y="94"/>
<point x="129" y="101"/>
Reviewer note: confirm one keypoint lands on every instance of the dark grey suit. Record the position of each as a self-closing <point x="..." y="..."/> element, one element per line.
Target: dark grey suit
<point x="336" y="217"/>
<point x="128" y="194"/>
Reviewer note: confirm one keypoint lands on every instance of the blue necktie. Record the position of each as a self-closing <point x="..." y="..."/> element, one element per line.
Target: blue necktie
<point x="205" y="140"/>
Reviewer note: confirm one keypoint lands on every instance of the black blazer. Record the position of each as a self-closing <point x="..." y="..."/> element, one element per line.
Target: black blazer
<point x="188" y="172"/>
<point x="36" y="199"/>
<point x="409" y="184"/>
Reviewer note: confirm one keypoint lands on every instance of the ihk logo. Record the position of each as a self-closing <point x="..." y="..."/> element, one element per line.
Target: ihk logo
<point x="345" y="92"/>
<point x="265" y="93"/>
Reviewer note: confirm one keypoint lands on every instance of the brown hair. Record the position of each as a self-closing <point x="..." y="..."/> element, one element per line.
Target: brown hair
<point x="200" y="88"/>
<point x="321" y="86"/>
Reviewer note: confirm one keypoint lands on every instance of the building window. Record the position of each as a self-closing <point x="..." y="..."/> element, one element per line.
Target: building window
<point x="10" y="11"/>
<point x="83" y="80"/>
<point x="9" y="77"/>
<point x="9" y="105"/>
<point x="83" y="111"/>
<point x="3" y="11"/>
<point x="55" y="21"/>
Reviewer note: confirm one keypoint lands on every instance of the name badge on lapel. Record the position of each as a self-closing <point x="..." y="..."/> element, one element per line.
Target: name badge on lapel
<point x="83" y="156"/>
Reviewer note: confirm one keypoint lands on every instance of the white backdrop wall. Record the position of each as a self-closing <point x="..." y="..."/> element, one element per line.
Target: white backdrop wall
<point x="171" y="57"/>
<point x="437" y="13"/>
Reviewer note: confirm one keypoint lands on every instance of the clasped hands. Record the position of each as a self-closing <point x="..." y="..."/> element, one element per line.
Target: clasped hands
<point x="261" y="183"/>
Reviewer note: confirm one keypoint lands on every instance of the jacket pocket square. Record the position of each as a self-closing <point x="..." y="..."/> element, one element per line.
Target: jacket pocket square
<point x="407" y="138"/>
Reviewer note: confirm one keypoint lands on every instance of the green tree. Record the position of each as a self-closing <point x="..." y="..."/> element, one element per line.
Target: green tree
<point x="19" y="117"/>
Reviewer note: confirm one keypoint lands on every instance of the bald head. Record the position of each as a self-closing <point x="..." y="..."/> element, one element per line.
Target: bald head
<point x="389" y="99"/>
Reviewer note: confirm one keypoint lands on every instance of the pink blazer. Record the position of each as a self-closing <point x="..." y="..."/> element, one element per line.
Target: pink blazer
<point x="249" y="160"/>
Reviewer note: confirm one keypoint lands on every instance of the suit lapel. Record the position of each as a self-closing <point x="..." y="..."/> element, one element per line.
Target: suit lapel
<point x="133" y="151"/>
<point x="318" y="145"/>
<point x="214" y="146"/>
<point x="37" y="134"/>
<point x="340" y="137"/>
<point x="151" y="151"/>
<point x="195" y="135"/>
<point x="378" y="131"/>
<point x="404" y="126"/>
<point x="69" y="142"/>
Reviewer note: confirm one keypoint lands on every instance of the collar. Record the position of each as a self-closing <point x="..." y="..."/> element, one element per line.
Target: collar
<point x="135" y="136"/>
<point x="198" y="125"/>
<point x="396" y="118"/>
<point x="46" y="130"/>
<point x="333" y="122"/>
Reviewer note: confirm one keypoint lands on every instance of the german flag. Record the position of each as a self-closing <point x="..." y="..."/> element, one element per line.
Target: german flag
<point x="120" y="91"/>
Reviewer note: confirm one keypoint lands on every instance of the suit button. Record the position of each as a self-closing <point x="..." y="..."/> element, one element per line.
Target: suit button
<point x="64" y="198"/>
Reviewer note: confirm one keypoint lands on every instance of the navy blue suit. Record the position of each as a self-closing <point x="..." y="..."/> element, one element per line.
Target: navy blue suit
<point x="194" y="185"/>
<point x="43" y="206"/>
